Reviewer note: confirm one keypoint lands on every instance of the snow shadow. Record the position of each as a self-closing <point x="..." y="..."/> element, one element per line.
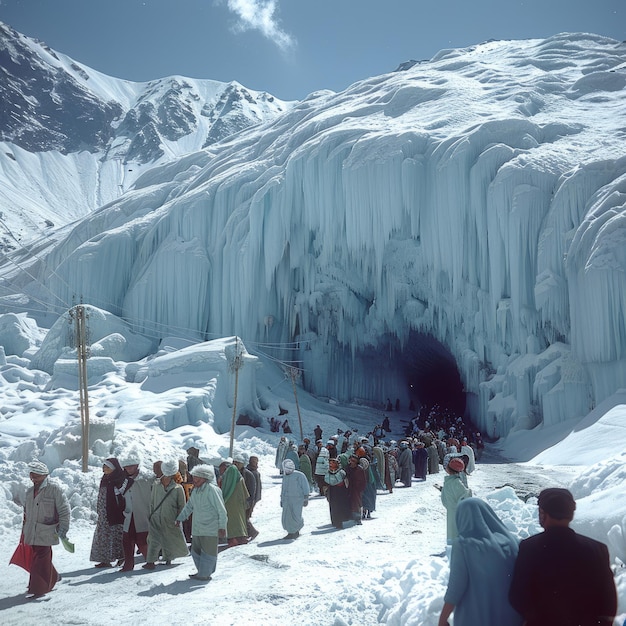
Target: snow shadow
<point x="13" y="601"/>
<point x="178" y="587"/>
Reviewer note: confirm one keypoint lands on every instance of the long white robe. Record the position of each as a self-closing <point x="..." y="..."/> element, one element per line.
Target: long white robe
<point x="294" y="493"/>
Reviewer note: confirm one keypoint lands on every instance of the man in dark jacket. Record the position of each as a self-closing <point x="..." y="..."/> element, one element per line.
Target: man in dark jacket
<point x="317" y="431"/>
<point x="562" y="578"/>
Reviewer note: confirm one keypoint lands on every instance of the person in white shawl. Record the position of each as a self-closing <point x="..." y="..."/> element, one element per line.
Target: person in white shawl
<point x="208" y="522"/>
<point x="481" y="566"/>
<point x="294" y="495"/>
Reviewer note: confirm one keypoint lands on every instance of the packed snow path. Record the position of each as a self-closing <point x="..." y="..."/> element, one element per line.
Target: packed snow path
<point x="326" y="576"/>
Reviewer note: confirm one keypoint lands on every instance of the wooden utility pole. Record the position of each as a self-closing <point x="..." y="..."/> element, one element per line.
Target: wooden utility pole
<point x="79" y="315"/>
<point x="294" y="374"/>
<point x="235" y="365"/>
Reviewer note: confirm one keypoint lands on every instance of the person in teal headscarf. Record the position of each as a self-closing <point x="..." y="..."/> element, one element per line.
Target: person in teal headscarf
<point x="481" y="566"/>
<point x="236" y="496"/>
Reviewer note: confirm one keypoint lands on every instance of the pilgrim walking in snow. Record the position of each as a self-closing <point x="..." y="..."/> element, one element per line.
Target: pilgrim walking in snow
<point x="106" y="546"/>
<point x="452" y="493"/>
<point x="420" y="460"/>
<point x="481" y="564"/>
<point x="337" y="493"/>
<point x="321" y="467"/>
<point x="46" y="519"/>
<point x="235" y="494"/>
<point x="251" y="485"/>
<point x="164" y="535"/>
<point x="208" y="522"/>
<point x="294" y="495"/>
<point x="356" y="473"/>
<point x="467" y="450"/>
<point x="305" y="465"/>
<point x="433" y="458"/>
<point x="281" y="451"/>
<point x="405" y="463"/>
<point x="136" y="491"/>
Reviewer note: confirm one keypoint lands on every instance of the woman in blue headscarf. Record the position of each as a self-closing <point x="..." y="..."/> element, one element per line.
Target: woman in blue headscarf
<point x="481" y="566"/>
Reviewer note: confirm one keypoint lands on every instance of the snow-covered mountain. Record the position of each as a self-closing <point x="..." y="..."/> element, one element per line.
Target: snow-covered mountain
<point x="73" y="139"/>
<point x="453" y="233"/>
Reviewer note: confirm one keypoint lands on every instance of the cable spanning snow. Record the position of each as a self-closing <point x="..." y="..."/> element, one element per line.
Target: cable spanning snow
<point x="389" y="570"/>
<point x="467" y="212"/>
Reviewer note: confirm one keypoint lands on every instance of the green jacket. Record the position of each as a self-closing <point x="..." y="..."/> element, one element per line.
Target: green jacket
<point x="452" y="493"/>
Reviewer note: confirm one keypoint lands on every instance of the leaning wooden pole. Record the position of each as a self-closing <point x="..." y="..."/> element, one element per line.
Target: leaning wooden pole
<point x="236" y="364"/>
<point x="82" y="353"/>
<point x="294" y="373"/>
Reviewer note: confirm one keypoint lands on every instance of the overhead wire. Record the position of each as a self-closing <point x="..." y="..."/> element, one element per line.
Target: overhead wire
<point x="183" y="334"/>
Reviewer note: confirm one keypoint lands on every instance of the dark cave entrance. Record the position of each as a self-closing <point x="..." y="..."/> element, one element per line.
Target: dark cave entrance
<point x="431" y="374"/>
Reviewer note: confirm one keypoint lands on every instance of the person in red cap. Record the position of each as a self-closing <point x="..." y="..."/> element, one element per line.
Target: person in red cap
<point x="454" y="490"/>
<point x="562" y="578"/>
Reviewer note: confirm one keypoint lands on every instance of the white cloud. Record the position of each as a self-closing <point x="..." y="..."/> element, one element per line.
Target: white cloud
<point x="261" y="15"/>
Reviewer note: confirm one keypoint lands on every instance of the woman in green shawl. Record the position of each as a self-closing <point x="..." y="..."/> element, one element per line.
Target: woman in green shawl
<point x="235" y="496"/>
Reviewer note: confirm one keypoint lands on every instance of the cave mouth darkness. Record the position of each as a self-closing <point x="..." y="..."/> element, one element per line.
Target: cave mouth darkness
<point x="431" y="374"/>
<point x="419" y="375"/>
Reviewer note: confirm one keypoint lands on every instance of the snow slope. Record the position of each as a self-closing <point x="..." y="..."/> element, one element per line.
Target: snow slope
<point x="464" y="213"/>
<point x="390" y="570"/>
<point x="73" y="139"/>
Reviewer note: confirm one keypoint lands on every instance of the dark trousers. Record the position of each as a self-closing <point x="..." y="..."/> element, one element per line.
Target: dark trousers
<point x="43" y="575"/>
<point x="131" y="539"/>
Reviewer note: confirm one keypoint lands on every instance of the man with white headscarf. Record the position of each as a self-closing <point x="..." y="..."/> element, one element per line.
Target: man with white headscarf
<point x="294" y="495"/>
<point x="208" y="522"/>
<point x="46" y="518"/>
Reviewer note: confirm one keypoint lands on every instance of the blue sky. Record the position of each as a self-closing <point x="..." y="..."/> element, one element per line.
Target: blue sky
<point x="290" y="47"/>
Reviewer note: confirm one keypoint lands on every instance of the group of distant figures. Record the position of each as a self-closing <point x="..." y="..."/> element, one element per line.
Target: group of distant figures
<point x="276" y="425"/>
<point x="348" y="469"/>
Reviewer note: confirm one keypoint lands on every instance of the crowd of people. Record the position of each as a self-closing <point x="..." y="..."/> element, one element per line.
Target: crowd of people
<point x="191" y="507"/>
<point x="183" y="508"/>
<point x="349" y="468"/>
<point x="556" y="578"/>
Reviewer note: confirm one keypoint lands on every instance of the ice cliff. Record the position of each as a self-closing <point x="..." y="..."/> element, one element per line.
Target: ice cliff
<point x="457" y="228"/>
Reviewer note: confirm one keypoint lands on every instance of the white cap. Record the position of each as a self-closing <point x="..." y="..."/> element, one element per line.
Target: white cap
<point x="204" y="471"/>
<point x="37" y="467"/>
<point x="169" y="468"/>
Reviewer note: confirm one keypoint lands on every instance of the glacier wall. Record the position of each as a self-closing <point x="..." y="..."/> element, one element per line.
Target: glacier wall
<point x="477" y="200"/>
